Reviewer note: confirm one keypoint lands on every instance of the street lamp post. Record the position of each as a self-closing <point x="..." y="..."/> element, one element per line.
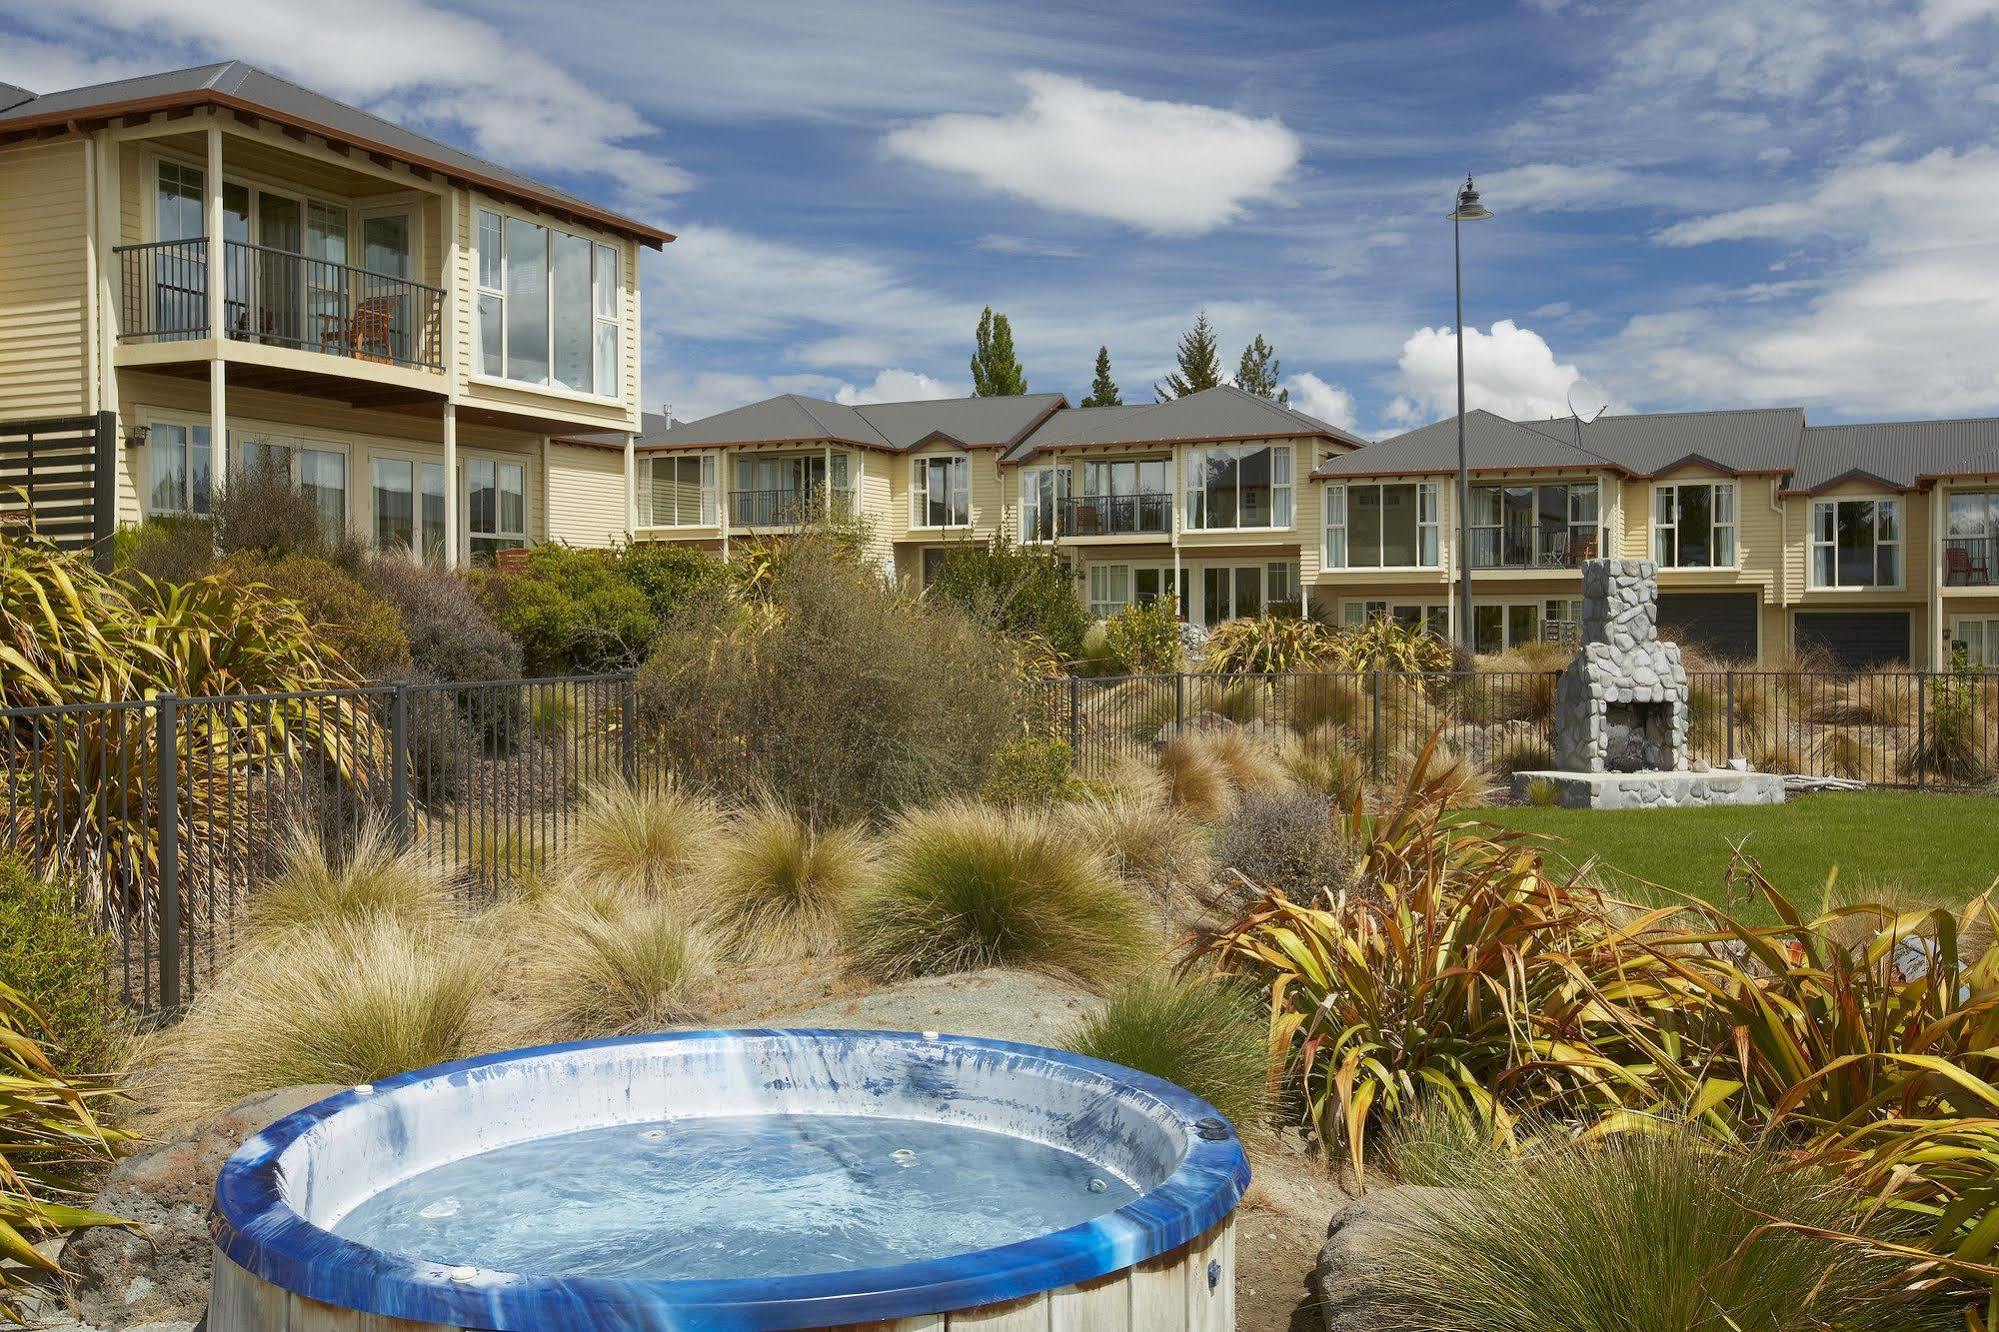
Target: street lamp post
<point x="1469" y="209"/>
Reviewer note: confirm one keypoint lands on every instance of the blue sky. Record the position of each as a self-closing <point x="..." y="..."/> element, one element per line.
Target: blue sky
<point x="1700" y="204"/>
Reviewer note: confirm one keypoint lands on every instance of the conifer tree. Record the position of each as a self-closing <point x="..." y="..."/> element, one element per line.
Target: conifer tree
<point x="995" y="372"/>
<point x="1103" y="389"/>
<point x="1200" y="368"/>
<point x="1258" y="372"/>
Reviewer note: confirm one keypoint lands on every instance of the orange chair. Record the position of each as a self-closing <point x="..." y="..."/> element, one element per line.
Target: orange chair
<point x="371" y="330"/>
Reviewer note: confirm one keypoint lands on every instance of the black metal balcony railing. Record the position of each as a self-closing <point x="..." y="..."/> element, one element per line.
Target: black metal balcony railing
<point x="284" y="299"/>
<point x="785" y="508"/>
<point x="1971" y="561"/>
<point x="1149" y="513"/>
<point x="1535" y="548"/>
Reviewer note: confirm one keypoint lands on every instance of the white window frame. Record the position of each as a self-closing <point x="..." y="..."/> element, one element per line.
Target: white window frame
<point x="1733" y="525"/>
<point x="1506" y="607"/>
<point x="1815" y="543"/>
<point x="594" y="318"/>
<point x="705" y="504"/>
<point x="244" y="435"/>
<point x="1434" y="615"/>
<point x="1030" y="501"/>
<point x="1283" y="504"/>
<point x="919" y="491"/>
<point x="1337" y="549"/>
<point x="1983" y="654"/>
<point x="416" y="463"/>
<point x="1267" y="574"/>
<point x="467" y="532"/>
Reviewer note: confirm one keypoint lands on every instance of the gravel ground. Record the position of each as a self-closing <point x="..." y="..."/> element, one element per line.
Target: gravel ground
<point x="1003" y="1005"/>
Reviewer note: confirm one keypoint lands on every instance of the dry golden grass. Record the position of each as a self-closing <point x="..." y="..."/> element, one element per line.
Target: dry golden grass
<point x="377" y="878"/>
<point x="779" y="887"/>
<point x="1327" y="761"/>
<point x="1196" y="782"/>
<point x="588" y="966"/>
<point x="1151" y="846"/>
<point x="648" y="842"/>
<point x="1454" y="775"/>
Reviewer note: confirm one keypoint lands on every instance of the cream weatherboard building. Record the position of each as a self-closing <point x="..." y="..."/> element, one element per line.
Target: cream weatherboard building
<point x="1204" y="500"/>
<point x="240" y="269"/>
<point x="1862" y="543"/>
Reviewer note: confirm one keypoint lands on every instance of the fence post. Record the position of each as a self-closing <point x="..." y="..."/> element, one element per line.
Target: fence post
<point x="1922" y="731"/>
<point x="1075" y="718"/>
<point x="104" y="489"/>
<point x="399" y="763"/>
<point x="628" y="729"/>
<point x="1728" y="715"/>
<point x="166" y="758"/>
<point x="1179" y="700"/>
<point x="1374" y="761"/>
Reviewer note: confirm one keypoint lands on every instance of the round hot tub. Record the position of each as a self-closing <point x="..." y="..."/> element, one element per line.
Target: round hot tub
<point x="738" y="1179"/>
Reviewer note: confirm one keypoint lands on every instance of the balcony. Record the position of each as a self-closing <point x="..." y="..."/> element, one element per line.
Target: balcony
<point x="281" y="299"/>
<point x="1971" y="561"/>
<point x="788" y="507"/>
<point x="1534" y="548"/>
<point x="1144" y="514"/>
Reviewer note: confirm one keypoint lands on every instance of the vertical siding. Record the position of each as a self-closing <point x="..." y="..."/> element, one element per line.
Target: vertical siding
<point x="586" y="495"/>
<point x="44" y="280"/>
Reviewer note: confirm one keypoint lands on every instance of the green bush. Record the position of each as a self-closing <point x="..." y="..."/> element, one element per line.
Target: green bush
<point x="1032" y="771"/>
<point x="675" y="580"/>
<point x="171" y="548"/>
<point x="1143" y="640"/>
<point x="1014" y="588"/>
<point x="571" y="611"/>
<point x="367" y="629"/>
<point x="58" y="959"/>
<point x="263" y="510"/>
<point x="1206" y="1037"/>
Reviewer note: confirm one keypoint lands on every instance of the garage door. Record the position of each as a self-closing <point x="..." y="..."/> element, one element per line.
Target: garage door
<point x="1721" y="624"/>
<point x="1856" y="639"/>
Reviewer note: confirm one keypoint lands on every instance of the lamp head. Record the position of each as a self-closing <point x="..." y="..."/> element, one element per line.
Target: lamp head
<point x="1469" y="209"/>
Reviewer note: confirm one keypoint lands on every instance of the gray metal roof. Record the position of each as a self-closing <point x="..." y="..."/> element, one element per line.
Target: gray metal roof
<point x="1225" y="412"/>
<point x="1757" y="441"/>
<point x="12" y="95"/>
<point x="891" y="427"/>
<point x="1901" y="454"/>
<point x="233" y="81"/>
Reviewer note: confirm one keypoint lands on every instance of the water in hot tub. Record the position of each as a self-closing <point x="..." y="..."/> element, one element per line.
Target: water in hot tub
<point x="736" y="1196"/>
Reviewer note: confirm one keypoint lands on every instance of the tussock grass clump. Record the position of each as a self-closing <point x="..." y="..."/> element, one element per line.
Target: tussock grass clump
<point x="344" y="1001"/>
<point x="780" y="887"/>
<point x="590" y="966"/>
<point x="964" y="886"/>
<point x="1325" y="700"/>
<point x="1206" y="769"/>
<point x="1204" y="1036"/>
<point x="377" y="878"/>
<point x="1327" y="761"/>
<point x="648" y="842"/>
<point x="1525" y="754"/>
<point x="1651" y="1230"/>
<point x="1451" y="775"/>
<point x="1150" y="845"/>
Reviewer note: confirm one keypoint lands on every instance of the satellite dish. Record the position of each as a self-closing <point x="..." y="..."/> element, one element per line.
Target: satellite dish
<point x="1569" y="395"/>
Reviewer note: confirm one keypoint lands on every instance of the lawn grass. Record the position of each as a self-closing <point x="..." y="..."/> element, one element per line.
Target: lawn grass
<point x="1903" y="847"/>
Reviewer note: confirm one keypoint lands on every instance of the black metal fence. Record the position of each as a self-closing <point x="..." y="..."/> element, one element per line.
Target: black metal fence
<point x="1902" y="729"/>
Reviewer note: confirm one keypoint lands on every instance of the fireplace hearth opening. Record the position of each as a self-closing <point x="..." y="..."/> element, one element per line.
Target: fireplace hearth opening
<point x="1638" y="737"/>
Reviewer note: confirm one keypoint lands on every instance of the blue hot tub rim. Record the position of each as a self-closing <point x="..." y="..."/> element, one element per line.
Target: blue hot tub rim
<point x="257" y="1228"/>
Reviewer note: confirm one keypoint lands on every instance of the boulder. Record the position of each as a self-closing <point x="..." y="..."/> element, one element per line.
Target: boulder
<point x="124" y="1280"/>
<point x="1356" y="1269"/>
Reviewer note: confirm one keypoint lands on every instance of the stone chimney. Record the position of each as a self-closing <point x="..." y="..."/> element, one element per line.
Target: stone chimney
<point x="1622" y="704"/>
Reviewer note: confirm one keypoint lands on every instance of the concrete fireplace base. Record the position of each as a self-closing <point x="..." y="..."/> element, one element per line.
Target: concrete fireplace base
<point x="1655" y="790"/>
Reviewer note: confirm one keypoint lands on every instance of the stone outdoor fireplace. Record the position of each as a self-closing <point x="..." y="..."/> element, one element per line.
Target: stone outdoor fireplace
<point x="1622" y="704"/>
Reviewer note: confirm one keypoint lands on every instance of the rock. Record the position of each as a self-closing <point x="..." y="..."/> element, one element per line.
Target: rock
<point x="1355" y="1274"/>
<point x="126" y="1280"/>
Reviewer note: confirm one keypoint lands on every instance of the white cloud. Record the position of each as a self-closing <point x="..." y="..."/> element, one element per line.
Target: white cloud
<point x="894" y="385"/>
<point x="1510" y="371"/>
<point x="1554" y="187"/>
<point x="1164" y="167"/>
<point x="1315" y="397"/>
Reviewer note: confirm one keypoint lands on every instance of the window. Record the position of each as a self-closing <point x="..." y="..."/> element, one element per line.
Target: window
<point x="1971" y="539"/>
<point x="1693" y="526"/>
<point x="496" y="507"/>
<point x="1978" y="640"/>
<point x="1534" y="526"/>
<point x="1231" y="592"/>
<point x="322" y="478"/>
<point x="1042" y="491"/>
<point x="430" y="480"/>
<point x="1239" y="486"/>
<point x="933" y="564"/>
<point x="1434" y="617"/>
<point x="177" y="466"/>
<point x="1857" y="543"/>
<point x="678" y="492"/>
<point x="548" y="306"/>
<point x="940" y="494"/>
<point x="1389" y="526"/>
<point x="1497" y="627"/>
<point x="394" y="482"/>
<point x="1110" y="588"/>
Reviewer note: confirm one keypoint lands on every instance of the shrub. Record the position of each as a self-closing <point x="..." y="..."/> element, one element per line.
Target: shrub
<point x="367" y="630"/>
<point x="1143" y="640"/>
<point x="1524" y="754"/>
<point x="965" y="886"/>
<point x="1031" y="771"/>
<point x="1287" y="842"/>
<point x="850" y="700"/>
<point x="349" y="1002"/>
<point x="56" y="959"/>
<point x="169" y="547"/>
<point x="1249" y="761"/>
<point x="677" y="581"/>
<point x="585" y="973"/>
<point x="650" y="842"/>
<point x="780" y="887"/>
<point x="48" y="1138"/>
<point x="1958" y="744"/>
<point x="1203" y="1036"/>
<point x="572" y="611"/>
<point x="1196" y="782"/>
<point x="452" y="639"/>
<point x="1461" y="779"/>
<point x="261" y="510"/>
<point x="1014" y="589"/>
<point x="1326" y="700"/>
<point x="313" y="889"/>
<point x="1151" y="846"/>
<point x="1269" y="644"/>
<point x="1658" y="1230"/>
<point x="1384" y="645"/>
<point x="1328" y="762"/>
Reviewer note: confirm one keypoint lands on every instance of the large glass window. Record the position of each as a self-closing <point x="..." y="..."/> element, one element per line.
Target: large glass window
<point x="1971" y="539"/>
<point x="1390" y="526"/>
<point x="1042" y="490"/>
<point x="1239" y="486"/>
<point x="941" y="492"/>
<point x="1857" y="543"/>
<point x="1977" y="637"/>
<point x="1534" y="526"/>
<point x="178" y="465"/>
<point x="496" y="507"/>
<point x="548" y="306"/>
<point x="1432" y="617"/>
<point x="430" y="480"/>
<point x="677" y="492"/>
<point x="1110" y="588"/>
<point x="1693" y="526"/>
<point x="1230" y="592"/>
<point x="394" y="483"/>
<point x="1497" y="627"/>
<point x="322" y="478"/>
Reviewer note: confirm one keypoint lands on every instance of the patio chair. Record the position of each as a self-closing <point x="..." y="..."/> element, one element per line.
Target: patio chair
<point x="1962" y="569"/>
<point x="371" y="330"/>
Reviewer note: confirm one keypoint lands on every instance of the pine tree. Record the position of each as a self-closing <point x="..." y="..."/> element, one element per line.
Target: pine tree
<point x="1199" y="368"/>
<point x="995" y="373"/>
<point x="1103" y="389"/>
<point x="1258" y="372"/>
